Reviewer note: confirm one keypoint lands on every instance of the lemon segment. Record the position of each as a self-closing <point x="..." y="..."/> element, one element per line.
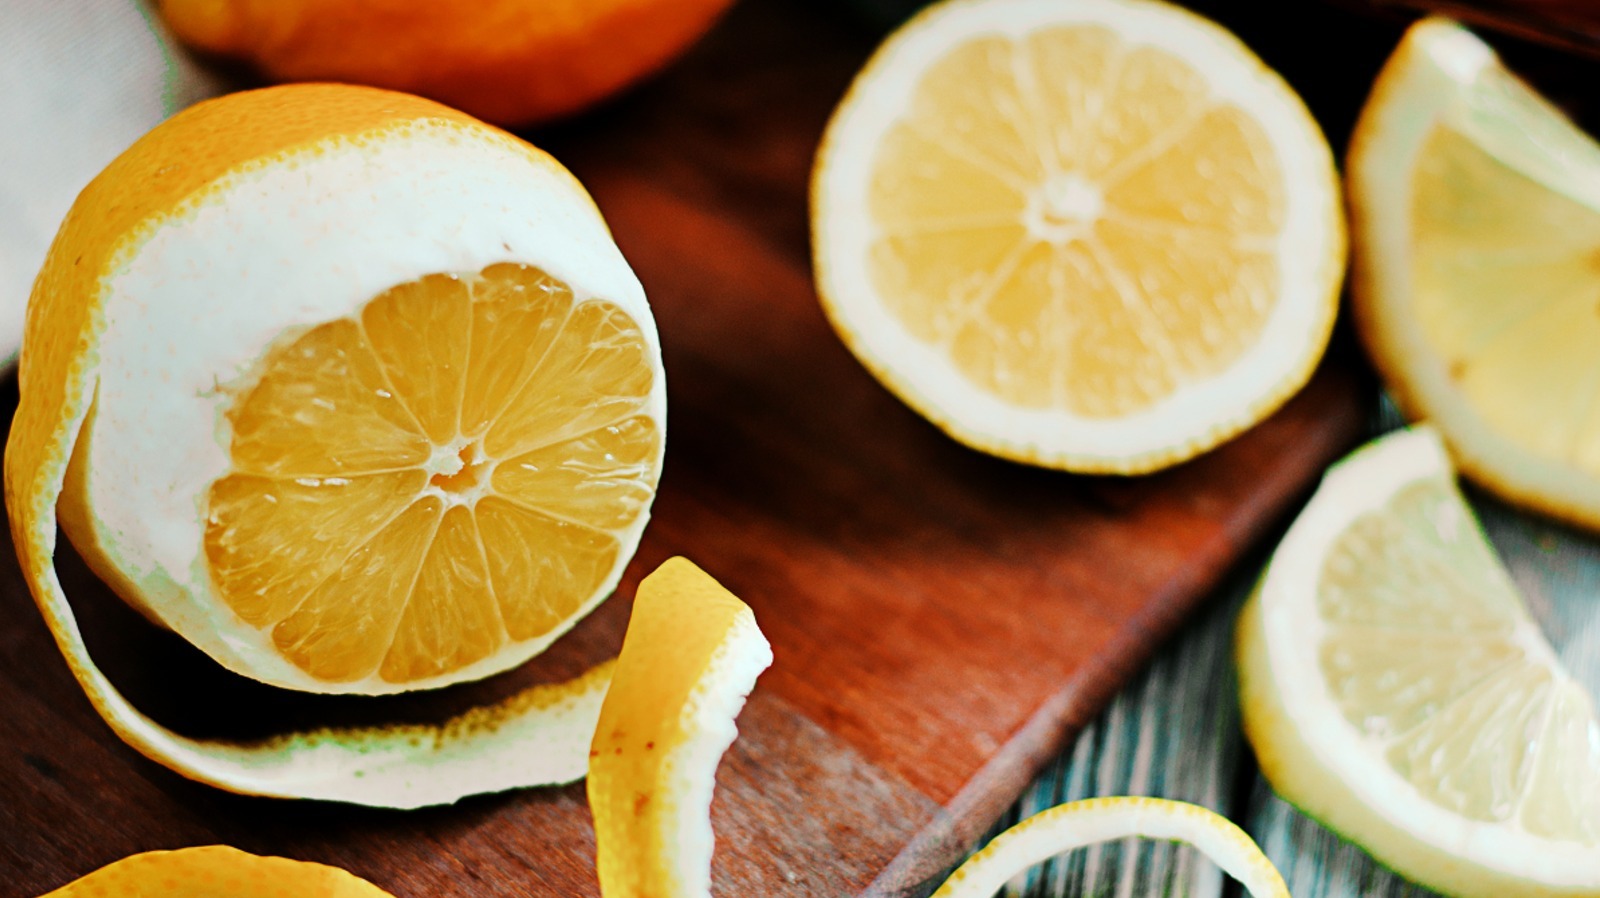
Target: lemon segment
<point x="1395" y="687"/>
<point x="1478" y="245"/>
<point x="356" y="394"/>
<point x="1082" y="823"/>
<point x="213" y="870"/>
<point x="691" y="655"/>
<point x="1097" y="235"/>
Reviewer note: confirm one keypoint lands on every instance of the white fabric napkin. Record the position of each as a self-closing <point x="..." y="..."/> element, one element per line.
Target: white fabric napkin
<point x="80" y="80"/>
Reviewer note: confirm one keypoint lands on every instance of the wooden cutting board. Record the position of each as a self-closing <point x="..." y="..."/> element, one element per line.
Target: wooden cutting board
<point x="943" y="622"/>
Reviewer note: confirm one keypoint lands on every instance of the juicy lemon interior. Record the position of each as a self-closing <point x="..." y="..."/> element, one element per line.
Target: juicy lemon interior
<point x="1076" y="220"/>
<point x="1429" y="652"/>
<point x="1507" y="288"/>
<point x="446" y="472"/>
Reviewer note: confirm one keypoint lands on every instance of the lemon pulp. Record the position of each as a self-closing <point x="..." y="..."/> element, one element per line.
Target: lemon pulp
<point x="1076" y="220"/>
<point x="444" y="472"/>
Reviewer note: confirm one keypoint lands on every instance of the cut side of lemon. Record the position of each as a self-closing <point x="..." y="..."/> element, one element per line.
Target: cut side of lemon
<point x="1395" y="688"/>
<point x="691" y="656"/>
<point x="1079" y="824"/>
<point x="215" y="870"/>
<point x="356" y="394"/>
<point x="1476" y="206"/>
<point x="1099" y="235"/>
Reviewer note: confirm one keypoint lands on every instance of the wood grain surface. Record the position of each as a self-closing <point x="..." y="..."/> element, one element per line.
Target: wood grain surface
<point x="943" y="622"/>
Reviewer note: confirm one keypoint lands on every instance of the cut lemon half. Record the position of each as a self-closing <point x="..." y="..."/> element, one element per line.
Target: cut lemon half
<point x="1476" y="281"/>
<point x="691" y="655"/>
<point x="1097" y="235"/>
<point x="1079" y="824"/>
<point x="215" y="870"/>
<point x="356" y="394"/>
<point x="1395" y="688"/>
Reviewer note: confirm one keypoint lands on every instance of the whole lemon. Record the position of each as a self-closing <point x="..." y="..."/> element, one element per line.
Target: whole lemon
<point x="511" y="62"/>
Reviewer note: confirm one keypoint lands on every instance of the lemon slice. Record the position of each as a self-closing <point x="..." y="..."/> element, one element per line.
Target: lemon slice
<point x="692" y="653"/>
<point x="1082" y="823"/>
<point x="356" y="394"/>
<point x="215" y="870"/>
<point x="1098" y="235"/>
<point x="1396" y="689"/>
<point x="1476" y="206"/>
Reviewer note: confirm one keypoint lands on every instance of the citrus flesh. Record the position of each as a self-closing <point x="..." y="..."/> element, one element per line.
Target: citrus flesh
<point x="356" y="394"/>
<point x="215" y="870"/>
<point x="1476" y="258"/>
<point x="1396" y="688"/>
<point x="691" y="655"/>
<point x="1071" y="217"/>
<point x="1082" y="823"/>
<point x="463" y="450"/>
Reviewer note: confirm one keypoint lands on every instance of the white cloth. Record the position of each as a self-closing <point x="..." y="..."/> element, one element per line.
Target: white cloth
<point x="80" y="80"/>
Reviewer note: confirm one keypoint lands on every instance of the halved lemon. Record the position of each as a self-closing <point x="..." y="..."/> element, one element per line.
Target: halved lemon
<point x="1395" y="688"/>
<point x="692" y="653"/>
<point x="1098" y="235"/>
<point x="1476" y="280"/>
<point x="350" y="390"/>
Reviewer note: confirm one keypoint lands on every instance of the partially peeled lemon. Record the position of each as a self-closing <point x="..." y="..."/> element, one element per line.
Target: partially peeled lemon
<point x="357" y="395"/>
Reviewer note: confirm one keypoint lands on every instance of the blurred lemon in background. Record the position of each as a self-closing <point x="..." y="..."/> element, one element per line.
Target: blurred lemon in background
<point x="512" y="62"/>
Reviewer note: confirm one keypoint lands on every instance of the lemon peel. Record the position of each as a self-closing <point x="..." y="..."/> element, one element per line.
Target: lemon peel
<point x="213" y="870"/>
<point x="239" y="166"/>
<point x="1082" y="823"/>
<point x="691" y="655"/>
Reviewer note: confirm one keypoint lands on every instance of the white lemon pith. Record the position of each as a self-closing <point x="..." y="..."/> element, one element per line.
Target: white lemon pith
<point x="175" y="361"/>
<point x="1476" y="214"/>
<point x="1098" y="235"/>
<point x="1395" y="687"/>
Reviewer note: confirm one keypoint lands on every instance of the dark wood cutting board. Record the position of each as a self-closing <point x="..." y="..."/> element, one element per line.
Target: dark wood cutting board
<point x="943" y="622"/>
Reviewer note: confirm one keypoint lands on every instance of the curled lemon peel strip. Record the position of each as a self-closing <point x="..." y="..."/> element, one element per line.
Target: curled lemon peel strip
<point x="691" y="655"/>
<point x="213" y="870"/>
<point x="538" y="737"/>
<point x="1082" y="823"/>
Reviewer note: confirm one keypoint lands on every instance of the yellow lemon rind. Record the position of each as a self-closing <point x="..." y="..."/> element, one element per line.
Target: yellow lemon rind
<point x="691" y="655"/>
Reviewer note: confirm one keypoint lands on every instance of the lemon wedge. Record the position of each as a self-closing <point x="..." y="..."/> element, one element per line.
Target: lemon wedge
<point x="1097" y="235"/>
<point x="356" y="394"/>
<point x="1476" y="212"/>
<point x="1395" y="688"/>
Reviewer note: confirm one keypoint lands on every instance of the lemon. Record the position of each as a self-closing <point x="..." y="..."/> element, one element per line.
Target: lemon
<point x="213" y="870"/>
<point x="691" y="655"/>
<point x="1476" y="212"/>
<point x="353" y="392"/>
<point x="1098" y="235"/>
<point x="1395" y="687"/>
<point x="511" y="62"/>
<point x="1082" y="823"/>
